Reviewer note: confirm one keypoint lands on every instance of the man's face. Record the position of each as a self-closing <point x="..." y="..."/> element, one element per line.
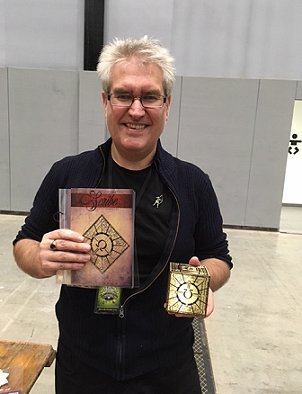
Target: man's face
<point x="135" y="130"/>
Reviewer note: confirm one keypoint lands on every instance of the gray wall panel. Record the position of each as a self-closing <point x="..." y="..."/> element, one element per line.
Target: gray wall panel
<point x="44" y="34"/>
<point x="129" y="18"/>
<point x="217" y="38"/>
<point x="4" y="144"/>
<point x="236" y="130"/>
<point x="92" y="127"/>
<point x="299" y="91"/>
<point x="169" y="137"/>
<point x="238" y="39"/>
<point x="2" y="36"/>
<point x="269" y="156"/>
<point x="216" y="132"/>
<point x="43" y="108"/>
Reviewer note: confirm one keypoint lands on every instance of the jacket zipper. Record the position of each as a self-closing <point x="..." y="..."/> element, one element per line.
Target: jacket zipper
<point x="121" y="309"/>
<point x="121" y="313"/>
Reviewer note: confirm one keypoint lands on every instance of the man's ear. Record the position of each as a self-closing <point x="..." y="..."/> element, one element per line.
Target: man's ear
<point x="104" y="99"/>
<point x="168" y="103"/>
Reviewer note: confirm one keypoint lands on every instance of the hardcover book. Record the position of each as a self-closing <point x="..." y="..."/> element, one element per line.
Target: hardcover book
<point x="105" y="217"/>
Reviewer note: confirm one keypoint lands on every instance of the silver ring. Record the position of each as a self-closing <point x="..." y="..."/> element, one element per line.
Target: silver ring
<point x="52" y="245"/>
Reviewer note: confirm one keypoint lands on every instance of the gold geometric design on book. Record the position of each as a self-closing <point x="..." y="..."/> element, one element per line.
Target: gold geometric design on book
<point x="107" y="244"/>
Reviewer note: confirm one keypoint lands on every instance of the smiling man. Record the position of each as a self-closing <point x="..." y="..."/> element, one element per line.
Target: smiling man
<point x="139" y="348"/>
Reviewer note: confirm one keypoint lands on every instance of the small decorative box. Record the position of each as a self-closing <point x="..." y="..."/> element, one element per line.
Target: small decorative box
<point x="188" y="289"/>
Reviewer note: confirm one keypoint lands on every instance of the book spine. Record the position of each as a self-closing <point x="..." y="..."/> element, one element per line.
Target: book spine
<point x="64" y="276"/>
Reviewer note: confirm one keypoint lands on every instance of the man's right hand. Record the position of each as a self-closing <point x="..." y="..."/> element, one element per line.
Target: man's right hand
<point x="60" y="249"/>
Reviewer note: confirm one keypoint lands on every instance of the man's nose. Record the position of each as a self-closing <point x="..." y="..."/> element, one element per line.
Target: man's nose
<point x="137" y="108"/>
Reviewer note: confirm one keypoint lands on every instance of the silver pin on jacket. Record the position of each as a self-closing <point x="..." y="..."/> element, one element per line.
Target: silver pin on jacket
<point x="158" y="200"/>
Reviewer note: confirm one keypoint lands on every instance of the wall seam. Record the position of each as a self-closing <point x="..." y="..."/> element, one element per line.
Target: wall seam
<point x="296" y="93"/>
<point x="251" y="155"/>
<point x="179" y="116"/>
<point x="9" y="139"/>
<point x="78" y="108"/>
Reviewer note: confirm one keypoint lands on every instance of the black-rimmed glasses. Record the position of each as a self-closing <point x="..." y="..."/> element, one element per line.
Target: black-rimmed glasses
<point x="147" y="100"/>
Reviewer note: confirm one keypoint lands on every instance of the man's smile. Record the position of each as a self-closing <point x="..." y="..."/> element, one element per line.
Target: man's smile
<point x="135" y="126"/>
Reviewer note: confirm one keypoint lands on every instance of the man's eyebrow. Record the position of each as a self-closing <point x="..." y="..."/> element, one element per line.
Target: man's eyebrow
<point x="120" y="90"/>
<point x="156" y="92"/>
<point x="144" y="92"/>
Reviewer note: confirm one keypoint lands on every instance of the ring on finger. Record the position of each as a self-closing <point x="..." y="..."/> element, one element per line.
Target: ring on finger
<point x="52" y="245"/>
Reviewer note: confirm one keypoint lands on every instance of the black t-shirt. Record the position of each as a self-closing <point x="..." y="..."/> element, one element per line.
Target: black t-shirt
<point x="152" y="212"/>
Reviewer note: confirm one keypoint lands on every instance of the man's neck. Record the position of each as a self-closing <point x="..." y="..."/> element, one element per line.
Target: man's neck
<point x="135" y="163"/>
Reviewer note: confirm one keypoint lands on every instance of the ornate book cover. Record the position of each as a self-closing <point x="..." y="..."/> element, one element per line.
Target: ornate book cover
<point x="105" y="217"/>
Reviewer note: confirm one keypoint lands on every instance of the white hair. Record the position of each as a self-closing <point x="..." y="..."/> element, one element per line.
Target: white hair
<point x="147" y="49"/>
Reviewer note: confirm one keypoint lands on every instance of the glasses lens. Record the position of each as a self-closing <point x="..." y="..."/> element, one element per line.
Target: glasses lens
<point x="121" y="100"/>
<point x="152" y="101"/>
<point x="147" y="101"/>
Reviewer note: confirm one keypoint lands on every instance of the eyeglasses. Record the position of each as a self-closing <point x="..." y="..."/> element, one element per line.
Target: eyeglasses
<point x="126" y="100"/>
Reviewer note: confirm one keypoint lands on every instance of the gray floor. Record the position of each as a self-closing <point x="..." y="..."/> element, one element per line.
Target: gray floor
<point x="254" y="335"/>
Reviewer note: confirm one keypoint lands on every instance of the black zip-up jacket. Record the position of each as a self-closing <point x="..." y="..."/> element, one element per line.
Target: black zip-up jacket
<point x="143" y="336"/>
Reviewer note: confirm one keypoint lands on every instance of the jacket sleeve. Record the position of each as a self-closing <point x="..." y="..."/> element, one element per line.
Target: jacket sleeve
<point x="210" y="239"/>
<point x="44" y="214"/>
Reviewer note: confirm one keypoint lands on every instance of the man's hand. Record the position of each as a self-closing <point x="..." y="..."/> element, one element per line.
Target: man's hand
<point x="219" y="274"/>
<point x="61" y="249"/>
<point x="210" y="306"/>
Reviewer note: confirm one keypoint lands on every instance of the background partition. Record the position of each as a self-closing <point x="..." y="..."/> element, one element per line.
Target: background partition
<point x="269" y="152"/>
<point x="92" y="125"/>
<point x="299" y="91"/>
<point x="43" y="125"/>
<point x="236" y="130"/>
<point x="217" y="132"/>
<point x="237" y="65"/>
<point x="171" y="134"/>
<point x="4" y="143"/>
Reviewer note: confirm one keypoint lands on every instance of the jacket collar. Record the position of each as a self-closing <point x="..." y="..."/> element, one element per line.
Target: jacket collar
<point x="163" y="159"/>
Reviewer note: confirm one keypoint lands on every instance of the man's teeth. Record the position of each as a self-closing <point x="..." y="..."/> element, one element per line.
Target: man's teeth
<point x="135" y="126"/>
